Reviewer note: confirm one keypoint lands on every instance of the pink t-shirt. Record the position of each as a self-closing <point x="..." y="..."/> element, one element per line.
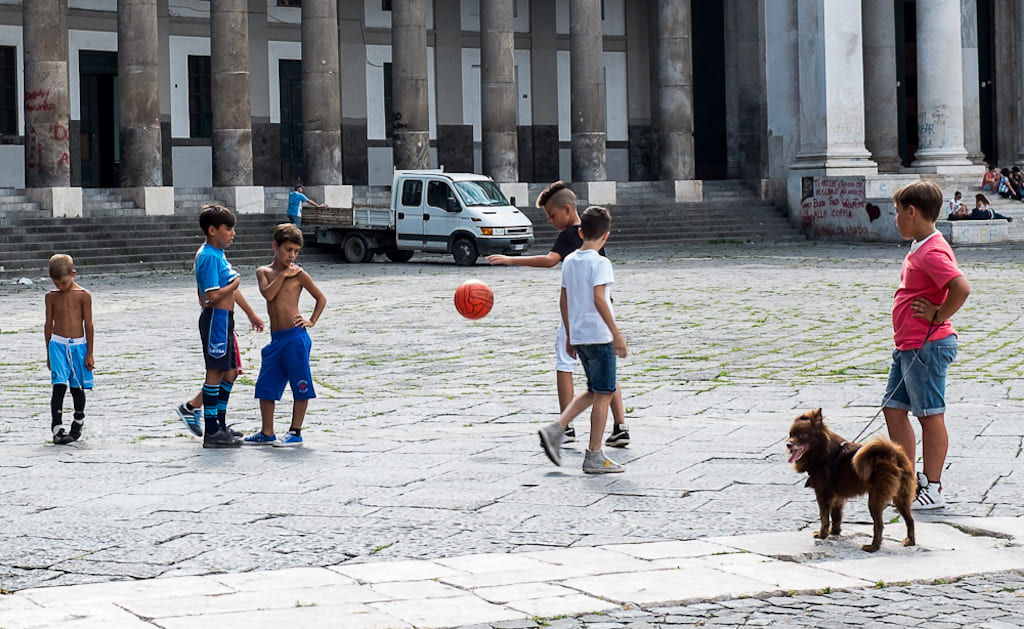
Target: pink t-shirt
<point x="927" y="269"/>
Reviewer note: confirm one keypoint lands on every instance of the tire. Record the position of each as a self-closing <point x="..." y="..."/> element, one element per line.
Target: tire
<point x="398" y="255"/>
<point x="464" y="251"/>
<point x="356" y="248"/>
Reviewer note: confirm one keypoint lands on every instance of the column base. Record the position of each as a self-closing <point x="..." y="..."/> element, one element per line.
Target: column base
<point x="59" y="202"/>
<point x="688" y="190"/>
<point x="336" y="196"/>
<point x="156" y="200"/>
<point x="596" y="192"/>
<point x="242" y="199"/>
<point x="945" y="161"/>
<point x="517" y="193"/>
<point x="835" y="163"/>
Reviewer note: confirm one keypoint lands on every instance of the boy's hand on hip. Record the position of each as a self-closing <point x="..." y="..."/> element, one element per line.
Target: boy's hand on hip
<point x="924" y="309"/>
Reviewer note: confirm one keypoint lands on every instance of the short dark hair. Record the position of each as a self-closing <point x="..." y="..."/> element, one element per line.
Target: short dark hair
<point x="923" y="195"/>
<point x="297" y="187"/>
<point x="215" y="215"/>
<point x="287" y="232"/>
<point x="595" y="222"/>
<point x="559" y="192"/>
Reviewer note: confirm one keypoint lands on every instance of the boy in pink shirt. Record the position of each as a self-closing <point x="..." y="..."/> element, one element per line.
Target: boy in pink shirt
<point x="932" y="288"/>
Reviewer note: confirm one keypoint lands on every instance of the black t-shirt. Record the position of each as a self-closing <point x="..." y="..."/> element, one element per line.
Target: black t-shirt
<point x="569" y="240"/>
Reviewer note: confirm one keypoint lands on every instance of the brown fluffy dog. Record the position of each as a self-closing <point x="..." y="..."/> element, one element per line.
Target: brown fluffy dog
<point x="838" y="470"/>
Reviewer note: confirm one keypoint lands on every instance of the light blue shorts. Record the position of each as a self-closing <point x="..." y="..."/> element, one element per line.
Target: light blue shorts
<point x="923" y="375"/>
<point x="67" y="362"/>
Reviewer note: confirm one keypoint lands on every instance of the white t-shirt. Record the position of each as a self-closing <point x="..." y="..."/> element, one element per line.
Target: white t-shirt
<point x="582" y="270"/>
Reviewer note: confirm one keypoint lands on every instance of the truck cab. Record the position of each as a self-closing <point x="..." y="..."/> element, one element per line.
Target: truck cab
<point x="463" y="214"/>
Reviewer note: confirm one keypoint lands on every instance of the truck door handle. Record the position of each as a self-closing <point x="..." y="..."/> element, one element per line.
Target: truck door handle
<point x="426" y="217"/>
<point x="401" y="216"/>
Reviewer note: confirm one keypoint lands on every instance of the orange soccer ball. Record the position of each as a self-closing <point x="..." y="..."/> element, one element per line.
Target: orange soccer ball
<point x="473" y="299"/>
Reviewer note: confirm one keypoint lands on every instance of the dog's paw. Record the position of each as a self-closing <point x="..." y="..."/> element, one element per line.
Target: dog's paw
<point x="820" y="535"/>
<point x="869" y="548"/>
<point x="909" y="542"/>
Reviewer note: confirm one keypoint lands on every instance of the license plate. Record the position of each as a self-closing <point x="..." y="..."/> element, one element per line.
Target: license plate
<point x="517" y="247"/>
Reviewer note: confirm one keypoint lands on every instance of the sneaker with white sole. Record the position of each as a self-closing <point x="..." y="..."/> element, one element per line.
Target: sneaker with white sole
<point x="619" y="437"/>
<point x="193" y="419"/>
<point x="598" y="463"/>
<point x="259" y="439"/>
<point x="289" y="440"/>
<point x="570" y="434"/>
<point x="551" y="440"/>
<point x="929" y="495"/>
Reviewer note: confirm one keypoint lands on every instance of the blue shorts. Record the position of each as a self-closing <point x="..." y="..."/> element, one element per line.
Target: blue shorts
<point x="923" y="374"/>
<point x="217" y="331"/>
<point x="286" y="360"/>
<point x="67" y="362"/>
<point x="295" y="220"/>
<point x="599" y="364"/>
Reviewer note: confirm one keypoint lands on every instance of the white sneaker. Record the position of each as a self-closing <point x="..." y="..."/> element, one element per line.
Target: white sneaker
<point x="598" y="463"/>
<point x="929" y="495"/>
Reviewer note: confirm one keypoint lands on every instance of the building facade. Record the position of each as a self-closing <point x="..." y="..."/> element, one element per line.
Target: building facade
<point x="250" y="93"/>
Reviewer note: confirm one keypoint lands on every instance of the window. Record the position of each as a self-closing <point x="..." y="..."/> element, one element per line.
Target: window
<point x="385" y="5"/>
<point x="8" y="90"/>
<point x="200" y="112"/>
<point x="439" y="194"/>
<point x="289" y="3"/>
<point x="389" y="105"/>
<point x="412" y="192"/>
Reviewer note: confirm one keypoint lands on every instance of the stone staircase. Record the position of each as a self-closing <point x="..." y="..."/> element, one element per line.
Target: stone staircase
<point x="101" y="202"/>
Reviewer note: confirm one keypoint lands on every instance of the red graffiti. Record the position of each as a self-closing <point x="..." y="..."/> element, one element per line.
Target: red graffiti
<point x="59" y="131"/>
<point x="34" y="155"/>
<point x="64" y="161"/>
<point x="39" y="100"/>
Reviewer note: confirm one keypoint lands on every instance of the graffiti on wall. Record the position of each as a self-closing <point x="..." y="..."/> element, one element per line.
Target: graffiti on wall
<point x="836" y="208"/>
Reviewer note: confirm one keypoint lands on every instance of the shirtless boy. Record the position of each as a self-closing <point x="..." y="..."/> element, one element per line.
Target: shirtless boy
<point x="286" y="358"/>
<point x="69" y="347"/>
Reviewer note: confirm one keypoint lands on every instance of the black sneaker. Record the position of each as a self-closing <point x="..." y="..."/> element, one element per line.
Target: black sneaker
<point x="619" y="437"/>
<point x="61" y="437"/>
<point x="76" y="430"/>
<point x="570" y="434"/>
<point x="221" y="439"/>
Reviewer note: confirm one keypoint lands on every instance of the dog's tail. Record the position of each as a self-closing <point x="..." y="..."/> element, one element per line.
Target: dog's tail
<point x="882" y="461"/>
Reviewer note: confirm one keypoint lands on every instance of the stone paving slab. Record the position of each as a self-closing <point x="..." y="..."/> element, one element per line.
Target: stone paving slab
<point x="603" y="579"/>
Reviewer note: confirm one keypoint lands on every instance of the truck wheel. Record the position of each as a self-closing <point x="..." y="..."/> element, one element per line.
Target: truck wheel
<point x="398" y="255"/>
<point x="464" y="252"/>
<point x="355" y="248"/>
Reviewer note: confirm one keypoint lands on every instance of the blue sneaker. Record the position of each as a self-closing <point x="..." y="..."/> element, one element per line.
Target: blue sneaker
<point x="291" y="440"/>
<point x="193" y="420"/>
<point x="259" y="439"/>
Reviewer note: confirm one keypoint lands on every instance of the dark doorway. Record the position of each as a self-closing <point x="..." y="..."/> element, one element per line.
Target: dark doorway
<point x="292" y="169"/>
<point x="906" y="76"/>
<point x="100" y="148"/>
<point x="709" y="130"/>
<point x="986" y="74"/>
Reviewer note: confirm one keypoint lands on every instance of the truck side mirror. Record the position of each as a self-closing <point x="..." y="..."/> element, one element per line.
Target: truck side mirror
<point x="453" y="205"/>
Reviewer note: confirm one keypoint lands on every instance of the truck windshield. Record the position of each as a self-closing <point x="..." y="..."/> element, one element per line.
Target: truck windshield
<point x="480" y="193"/>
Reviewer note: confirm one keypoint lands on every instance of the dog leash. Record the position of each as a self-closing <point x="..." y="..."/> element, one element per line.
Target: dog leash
<point x="917" y="355"/>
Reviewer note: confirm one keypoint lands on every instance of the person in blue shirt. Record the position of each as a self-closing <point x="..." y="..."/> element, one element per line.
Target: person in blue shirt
<point x="296" y="199"/>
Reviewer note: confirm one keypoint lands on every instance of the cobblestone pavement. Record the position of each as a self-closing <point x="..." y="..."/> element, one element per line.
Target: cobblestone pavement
<point x="422" y="441"/>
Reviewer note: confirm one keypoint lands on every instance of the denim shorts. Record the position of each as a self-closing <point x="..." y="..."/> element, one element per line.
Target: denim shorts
<point x="599" y="364"/>
<point x="923" y="374"/>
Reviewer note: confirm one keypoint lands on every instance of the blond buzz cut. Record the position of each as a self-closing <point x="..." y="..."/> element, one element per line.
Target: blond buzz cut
<point x="61" y="265"/>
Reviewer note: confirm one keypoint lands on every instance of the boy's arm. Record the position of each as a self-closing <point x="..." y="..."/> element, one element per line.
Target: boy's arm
<point x="270" y="288"/>
<point x="254" y="319"/>
<point x="601" y="304"/>
<point x="317" y="294"/>
<point x="48" y="327"/>
<point x="90" y="362"/>
<point x="958" y="289"/>
<point x="545" y="261"/>
<point x="563" y="307"/>
<point x="216" y="294"/>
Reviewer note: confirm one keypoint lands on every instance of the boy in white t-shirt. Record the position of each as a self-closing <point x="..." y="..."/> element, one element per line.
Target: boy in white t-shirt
<point x="593" y="336"/>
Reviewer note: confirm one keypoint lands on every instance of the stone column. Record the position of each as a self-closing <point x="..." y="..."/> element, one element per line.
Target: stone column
<point x="47" y="108"/>
<point x="229" y="83"/>
<point x="411" y="136"/>
<point x="321" y="94"/>
<point x="831" y="89"/>
<point x="138" y="95"/>
<point x="498" y="91"/>
<point x="545" y="143"/>
<point x="675" y="90"/>
<point x="972" y="80"/>
<point x="940" y="94"/>
<point x="880" y="108"/>
<point x="586" y="47"/>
